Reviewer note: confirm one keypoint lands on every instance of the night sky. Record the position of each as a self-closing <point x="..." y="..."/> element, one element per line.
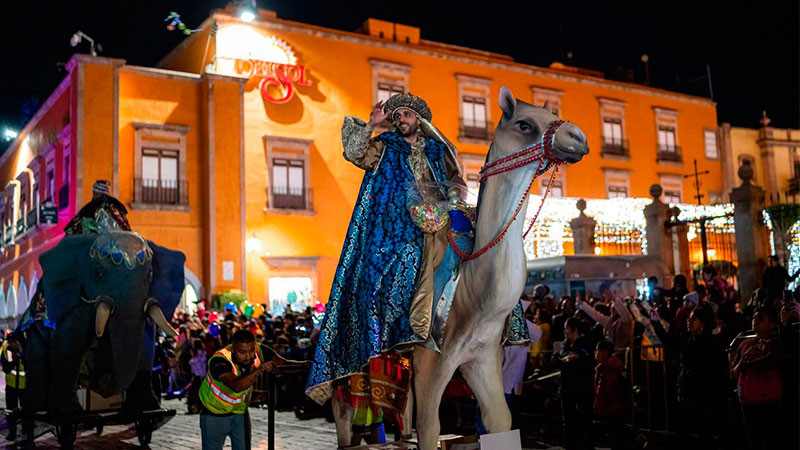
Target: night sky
<point x="751" y="47"/>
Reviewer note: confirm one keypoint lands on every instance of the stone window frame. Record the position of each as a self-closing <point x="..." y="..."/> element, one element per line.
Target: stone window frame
<point x="613" y="109"/>
<point x="612" y="176"/>
<point x="12" y="191"/>
<point x="671" y="182"/>
<point x="540" y="94"/>
<point x="559" y="181"/>
<point x="475" y="87"/>
<point x="160" y="137"/>
<point x="707" y="130"/>
<point x="292" y="266"/>
<point x="283" y="147"/>
<point x="388" y="72"/>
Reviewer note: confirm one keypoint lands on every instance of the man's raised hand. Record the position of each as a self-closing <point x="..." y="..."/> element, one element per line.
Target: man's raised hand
<point x="378" y="115"/>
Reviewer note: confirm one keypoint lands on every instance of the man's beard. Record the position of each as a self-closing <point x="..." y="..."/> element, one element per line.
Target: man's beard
<point x="409" y="131"/>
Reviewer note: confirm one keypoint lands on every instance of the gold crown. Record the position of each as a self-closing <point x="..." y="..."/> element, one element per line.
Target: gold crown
<point x="409" y="101"/>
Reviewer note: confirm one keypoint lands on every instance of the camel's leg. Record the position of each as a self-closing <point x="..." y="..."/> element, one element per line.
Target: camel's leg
<point x="431" y="375"/>
<point x="343" y="416"/>
<point x="485" y="379"/>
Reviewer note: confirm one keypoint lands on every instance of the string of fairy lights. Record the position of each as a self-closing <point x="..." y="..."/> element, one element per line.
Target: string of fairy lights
<point x="793" y="259"/>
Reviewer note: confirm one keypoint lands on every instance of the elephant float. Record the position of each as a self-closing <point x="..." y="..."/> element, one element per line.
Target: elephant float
<point x="105" y="294"/>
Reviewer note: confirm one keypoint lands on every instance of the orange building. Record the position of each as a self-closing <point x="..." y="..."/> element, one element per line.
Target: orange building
<point x="230" y="150"/>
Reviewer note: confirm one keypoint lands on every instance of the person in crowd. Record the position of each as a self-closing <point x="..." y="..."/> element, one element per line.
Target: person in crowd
<point x="758" y="379"/>
<point x="611" y="393"/>
<point x="566" y="309"/>
<point x="539" y="349"/>
<point x="719" y="291"/>
<point x="576" y="385"/>
<point x="775" y="278"/>
<point x="790" y="372"/>
<point x="679" y="289"/>
<point x="690" y="302"/>
<point x="198" y="367"/>
<point x="15" y="380"/>
<point x="617" y="327"/>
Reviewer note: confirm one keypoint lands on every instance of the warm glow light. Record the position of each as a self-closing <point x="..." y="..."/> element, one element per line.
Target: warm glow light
<point x="597" y="251"/>
<point x="247" y="16"/>
<point x="9" y="134"/>
<point x="711" y="253"/>
<point x="237" y="41"/>
<point x="254" y="245"/>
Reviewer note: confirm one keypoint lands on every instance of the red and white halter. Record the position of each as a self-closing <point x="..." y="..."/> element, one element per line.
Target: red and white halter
<point x="542" y="152"/>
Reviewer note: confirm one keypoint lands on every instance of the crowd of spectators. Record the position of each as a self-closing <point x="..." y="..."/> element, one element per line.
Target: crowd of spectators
<point x="725" y="374"/>
<point x="181" y="363"/>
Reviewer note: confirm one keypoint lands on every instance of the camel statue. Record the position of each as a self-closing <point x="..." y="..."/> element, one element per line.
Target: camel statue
<point x="492" y="282"/>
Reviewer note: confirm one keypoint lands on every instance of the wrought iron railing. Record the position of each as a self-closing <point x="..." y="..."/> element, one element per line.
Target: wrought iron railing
<point x="162" y="192"/>
<point x="616" y="148"/>
<point x="669" y="153"/>
<point x="474" y="129"/>
<point x="282" y="197"/>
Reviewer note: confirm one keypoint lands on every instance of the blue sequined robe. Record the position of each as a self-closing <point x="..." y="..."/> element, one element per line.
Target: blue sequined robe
<point x="375" y="281"/>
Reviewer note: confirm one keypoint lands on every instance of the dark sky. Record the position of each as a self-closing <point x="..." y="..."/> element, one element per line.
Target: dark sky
<point x="751" y="47"/>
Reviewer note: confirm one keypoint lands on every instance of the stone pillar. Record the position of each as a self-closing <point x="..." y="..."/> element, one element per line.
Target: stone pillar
<point x="680" y="246"/>
<point x="659" y="239"/>
<point x="583" y="231"/>
<point x="751" y="237"/>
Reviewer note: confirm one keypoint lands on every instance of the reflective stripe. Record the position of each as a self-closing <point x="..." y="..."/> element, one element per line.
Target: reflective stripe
<point x="14" y="372"/>
<point x="221" y="395"/>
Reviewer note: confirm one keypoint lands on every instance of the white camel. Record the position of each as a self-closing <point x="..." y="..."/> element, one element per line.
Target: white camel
<point x="490" y="284"/>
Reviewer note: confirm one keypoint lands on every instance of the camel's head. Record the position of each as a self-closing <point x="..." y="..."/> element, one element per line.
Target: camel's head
<point x="522" y="125"/>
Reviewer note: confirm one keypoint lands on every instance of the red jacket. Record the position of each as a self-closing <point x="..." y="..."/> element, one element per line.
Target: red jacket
<point x="610" y="396"/>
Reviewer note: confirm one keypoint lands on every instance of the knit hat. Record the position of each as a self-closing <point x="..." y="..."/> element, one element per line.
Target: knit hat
<point x="693" y="297"/>
<point x="101" y="187"/>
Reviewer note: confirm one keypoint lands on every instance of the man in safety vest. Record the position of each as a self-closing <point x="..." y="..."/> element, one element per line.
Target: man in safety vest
<point x="226" y="389"/>
<point x="15" y="379"/>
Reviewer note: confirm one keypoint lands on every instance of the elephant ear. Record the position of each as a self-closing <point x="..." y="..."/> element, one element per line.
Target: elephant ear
<point x="61" y="267"/>
<point x="168" y="279"/>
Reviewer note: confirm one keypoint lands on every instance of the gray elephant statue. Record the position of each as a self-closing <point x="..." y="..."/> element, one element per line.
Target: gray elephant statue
<point x="105" y="295"/>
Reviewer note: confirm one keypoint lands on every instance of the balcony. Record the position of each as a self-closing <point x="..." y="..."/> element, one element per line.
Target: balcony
<point x="474" y="129"/>
<point x="616" y="148"/>
<point x="282" y="197"/>
<point x="794" y="186"/>
<point x="160" y="192"/>
<point x="669" y="153"/>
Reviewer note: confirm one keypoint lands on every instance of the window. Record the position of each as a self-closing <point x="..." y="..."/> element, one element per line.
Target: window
<point x="543" y="94"/>
<point x="288" y="179"/>
<point x="667" y="135"/>
<point x="612" y="113"/>
<point x="472" y="166"/>
<point x="288" y="183"/>
<point x="672" y="197"/>
<point x="474" y="122"/>
<point x="159" y="182"/>
<point x="714" y="197"/>
<point x="710" y="138"/>
<point x="160" y="167"/>
<point x="388" y="78"/>
<point x="51" y="183"/>
<point x="796" y="169"/>
<point x="617" y="192"/>
<point x="386" y="91"/>
<point x="673" y="187"/>
<point x="556" y="190"/>
<point x="473" y="118"/>
<point x="617" y="183"/>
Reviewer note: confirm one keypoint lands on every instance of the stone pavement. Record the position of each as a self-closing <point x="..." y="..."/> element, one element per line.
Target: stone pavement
<point x="183" y="433"/>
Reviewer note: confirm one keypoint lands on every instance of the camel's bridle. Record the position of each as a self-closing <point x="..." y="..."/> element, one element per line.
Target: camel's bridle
<point x="542" y="151"/>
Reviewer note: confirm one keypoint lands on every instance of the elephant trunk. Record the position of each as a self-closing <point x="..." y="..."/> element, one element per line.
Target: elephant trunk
<point x="155" y="313"/>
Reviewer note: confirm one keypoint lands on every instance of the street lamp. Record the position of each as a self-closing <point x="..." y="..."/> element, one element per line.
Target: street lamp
<point x="80" y="36"/>
<point x="9" y="134"/>
<point x="247" y="10"/>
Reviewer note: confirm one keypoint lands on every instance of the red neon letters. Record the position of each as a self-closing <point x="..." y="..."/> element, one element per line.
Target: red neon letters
<point x="282" y="77"/>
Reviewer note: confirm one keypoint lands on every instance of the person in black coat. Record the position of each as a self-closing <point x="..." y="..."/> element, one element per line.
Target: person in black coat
<point x="576" y="385"/>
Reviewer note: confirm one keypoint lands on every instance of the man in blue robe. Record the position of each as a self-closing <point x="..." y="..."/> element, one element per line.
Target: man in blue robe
<point x="382" y="293"/>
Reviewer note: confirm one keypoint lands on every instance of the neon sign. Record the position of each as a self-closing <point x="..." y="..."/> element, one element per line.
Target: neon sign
<point x="281" y="77"/>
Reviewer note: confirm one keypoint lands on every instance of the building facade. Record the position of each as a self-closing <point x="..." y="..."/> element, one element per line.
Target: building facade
<point x="230" y="149"/>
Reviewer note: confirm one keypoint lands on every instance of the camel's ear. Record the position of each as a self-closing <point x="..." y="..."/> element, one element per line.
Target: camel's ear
<point x="507" y="102"/>
<point x="547" y="106"/>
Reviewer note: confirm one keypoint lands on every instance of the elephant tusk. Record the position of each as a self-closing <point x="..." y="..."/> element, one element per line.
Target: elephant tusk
<point x="157" y="316"/>
<point x="100" y="320"/>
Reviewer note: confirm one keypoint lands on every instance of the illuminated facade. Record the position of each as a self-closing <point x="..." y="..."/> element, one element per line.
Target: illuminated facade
<point x="230" y="150"/>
